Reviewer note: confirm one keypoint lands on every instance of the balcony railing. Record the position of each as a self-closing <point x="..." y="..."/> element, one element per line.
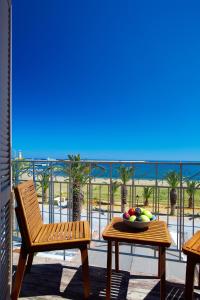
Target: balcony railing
<point x="102" y="194"/>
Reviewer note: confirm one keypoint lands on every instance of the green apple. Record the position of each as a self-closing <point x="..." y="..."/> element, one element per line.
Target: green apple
<point x="132" y="218"/>
<point x="147" y="213"/>
<point x="145" y="218"/>
<point x="142" y="210"/>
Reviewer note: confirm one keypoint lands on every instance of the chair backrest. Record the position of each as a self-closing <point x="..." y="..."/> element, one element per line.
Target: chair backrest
<point x="28" y="211"/>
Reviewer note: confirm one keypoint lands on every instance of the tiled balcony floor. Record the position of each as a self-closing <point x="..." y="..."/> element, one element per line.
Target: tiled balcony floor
<point x="58" y="279"/>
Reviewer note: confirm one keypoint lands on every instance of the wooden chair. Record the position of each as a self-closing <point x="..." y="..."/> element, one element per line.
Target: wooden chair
<point x="37" y="237"/>
<point x="192" y="249"/>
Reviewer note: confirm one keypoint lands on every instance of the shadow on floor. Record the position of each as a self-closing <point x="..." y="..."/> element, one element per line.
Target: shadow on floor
<point x="43" y="280"/>
<point x="58" y="281"/>
<point x="173" y="291"/>
<point x="119" y="288"/>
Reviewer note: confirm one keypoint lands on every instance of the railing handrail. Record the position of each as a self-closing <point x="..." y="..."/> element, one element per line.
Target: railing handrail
<point x="112" y="161"/>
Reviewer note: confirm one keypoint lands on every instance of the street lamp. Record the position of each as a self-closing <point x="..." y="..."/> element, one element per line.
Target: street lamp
<point x="137" y="199"/>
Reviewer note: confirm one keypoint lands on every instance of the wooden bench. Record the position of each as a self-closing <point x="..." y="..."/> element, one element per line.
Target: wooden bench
<point x="37" y="237"/>
<point x="192" y="249"/>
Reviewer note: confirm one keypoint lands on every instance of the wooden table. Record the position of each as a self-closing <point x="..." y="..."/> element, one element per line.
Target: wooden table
<point x="156" y="235"/>
<point x="192" y="249"/>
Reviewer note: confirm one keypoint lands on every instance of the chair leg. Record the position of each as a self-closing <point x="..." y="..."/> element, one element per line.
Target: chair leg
<point x="19" y="274"/>
<point x="29" y="263"/>
<point x="161" y="272"/>
<point x="116" y="256"/>
<point x="109" y="270"/>
<point x="199" y="278"/>
<point x="189" y="280"/>
<point x="85" y="268"/>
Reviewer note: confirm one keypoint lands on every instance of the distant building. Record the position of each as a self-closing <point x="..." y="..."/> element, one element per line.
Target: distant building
<point x="20" y="154"/>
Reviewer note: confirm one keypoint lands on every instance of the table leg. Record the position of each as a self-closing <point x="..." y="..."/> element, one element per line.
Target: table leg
<point x="109" y="270"/>
<point x="117" y="256"/>
<point x="189" y="279"/>
<point x="161" y="272"/>
<point x="199" y="278"/>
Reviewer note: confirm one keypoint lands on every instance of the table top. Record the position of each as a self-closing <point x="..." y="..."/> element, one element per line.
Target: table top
<point x="192" y="246"/>
<point x="157" y="233"/>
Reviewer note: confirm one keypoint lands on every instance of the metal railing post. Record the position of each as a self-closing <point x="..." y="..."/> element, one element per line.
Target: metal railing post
<point x="181" y="216"/>
<point x="180" y="226"/>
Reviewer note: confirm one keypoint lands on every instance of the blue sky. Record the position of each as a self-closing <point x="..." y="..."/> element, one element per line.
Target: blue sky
<point x="106" y="79"/>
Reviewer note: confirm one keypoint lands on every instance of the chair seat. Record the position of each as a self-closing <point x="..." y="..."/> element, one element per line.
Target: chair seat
<point x="63" y="233"/>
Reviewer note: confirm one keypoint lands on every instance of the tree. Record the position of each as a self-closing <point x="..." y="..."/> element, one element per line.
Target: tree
<point x="19" y="167"/>
<point x="78" y="174"/>
<point x="44" y="176"/>
<point x="114" y="187"/>
<point x="173" y="179"/>
<point x="191" y="190"/>
<point x="126" y="174"/>
<point x="147" y="194"/>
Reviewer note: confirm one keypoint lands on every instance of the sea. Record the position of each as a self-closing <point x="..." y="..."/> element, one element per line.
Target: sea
<point x="147" y="170"/>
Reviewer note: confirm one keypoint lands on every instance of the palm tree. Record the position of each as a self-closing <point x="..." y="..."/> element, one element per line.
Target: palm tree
<point x="126" y="174"/>
<point x="79" y="174"/>
<point x="114" y="187"/>
<point x="147" y="194"/>
<point x="19" y="167"/>
<point x="44" y="176"/>
<point x="173" y="179"/>
<point x="191" y="190"/>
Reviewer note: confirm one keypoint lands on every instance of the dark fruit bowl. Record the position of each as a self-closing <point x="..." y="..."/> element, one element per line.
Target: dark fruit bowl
<point x="136" y="224"/>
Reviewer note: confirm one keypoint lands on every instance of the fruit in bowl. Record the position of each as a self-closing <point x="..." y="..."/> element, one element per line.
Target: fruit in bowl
<point x="138" y="217"/>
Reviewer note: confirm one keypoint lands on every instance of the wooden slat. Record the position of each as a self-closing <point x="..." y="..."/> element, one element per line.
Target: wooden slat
<point x="53" y="227"/>
<point x="46" y="234"/>
<point x="86" y="230"/>
<point x="81" y="234"/>
<point x="157" y="233"/>
<point x="27" y="198"/>
<point x="77" y="230"/>
<point x="65" y="232"/>
<point x="52" y="235"/>
<point x="74" y="230"/>
<point x="61" y="232"/>
<point x="69" y="231"/>
<point x="64" y="235"/>
<point x="58" y="231"/>
<point x="42" y="233"/>
<point x="192" y="246"/>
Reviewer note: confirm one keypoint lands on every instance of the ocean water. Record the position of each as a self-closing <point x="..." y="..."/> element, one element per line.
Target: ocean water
<point x="148" y="170"/>
<point x="152" y="171"/>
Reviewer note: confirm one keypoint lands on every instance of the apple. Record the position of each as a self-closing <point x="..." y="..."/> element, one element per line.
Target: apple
<point x="142" y="210"/>
<point x="131" y="211"/>
<point x="147" y="213"/>
<point x="126" y="216"/>
<point x="145" y="218"/>
<point x="132" y="218"/>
